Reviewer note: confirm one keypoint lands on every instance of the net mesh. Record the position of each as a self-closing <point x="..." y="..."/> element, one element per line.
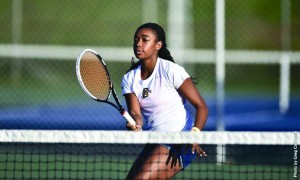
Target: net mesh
<point x="94" y="76"/>
<point x="110" y="154"/>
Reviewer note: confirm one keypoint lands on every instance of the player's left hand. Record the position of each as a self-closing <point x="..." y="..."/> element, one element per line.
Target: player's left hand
<point x="196" y="148"/>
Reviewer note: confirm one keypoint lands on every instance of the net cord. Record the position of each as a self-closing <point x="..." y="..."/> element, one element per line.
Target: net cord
<point x="143" y="137"/>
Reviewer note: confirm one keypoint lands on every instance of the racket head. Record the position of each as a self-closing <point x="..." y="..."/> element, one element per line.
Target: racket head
<point x="93" y="75"/>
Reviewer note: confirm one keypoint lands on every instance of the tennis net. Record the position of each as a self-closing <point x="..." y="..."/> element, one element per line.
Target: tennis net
<point x="52" y="154"/>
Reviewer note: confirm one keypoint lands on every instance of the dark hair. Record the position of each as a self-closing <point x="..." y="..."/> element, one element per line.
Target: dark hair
<point x="163" y="52"/>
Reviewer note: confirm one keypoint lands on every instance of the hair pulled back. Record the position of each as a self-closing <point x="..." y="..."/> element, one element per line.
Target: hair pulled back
<point x="163" y="52"/>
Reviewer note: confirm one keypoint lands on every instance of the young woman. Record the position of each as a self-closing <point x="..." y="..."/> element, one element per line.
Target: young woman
<point x="156" y="89"/>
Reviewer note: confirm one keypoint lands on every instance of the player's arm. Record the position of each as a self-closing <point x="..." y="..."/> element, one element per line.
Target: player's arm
<point x="134" y="110"/>
<point x="190" y="92"/>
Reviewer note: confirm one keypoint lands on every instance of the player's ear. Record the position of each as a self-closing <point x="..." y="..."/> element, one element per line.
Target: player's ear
<point x="158" y="45"/>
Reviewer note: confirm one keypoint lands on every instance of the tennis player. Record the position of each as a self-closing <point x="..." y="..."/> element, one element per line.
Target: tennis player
<point x="156" y="90"/>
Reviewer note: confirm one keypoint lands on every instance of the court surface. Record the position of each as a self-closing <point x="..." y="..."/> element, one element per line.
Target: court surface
<point x="239" y="115"/>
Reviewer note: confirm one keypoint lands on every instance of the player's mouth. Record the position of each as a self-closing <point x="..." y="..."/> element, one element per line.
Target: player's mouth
<point x="138" y="51"/>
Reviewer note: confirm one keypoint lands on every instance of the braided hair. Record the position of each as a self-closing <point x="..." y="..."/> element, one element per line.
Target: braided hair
<point x="163" y="52"/>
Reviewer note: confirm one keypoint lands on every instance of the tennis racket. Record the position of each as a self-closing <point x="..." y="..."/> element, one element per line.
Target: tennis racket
<point x="94" y="79"/>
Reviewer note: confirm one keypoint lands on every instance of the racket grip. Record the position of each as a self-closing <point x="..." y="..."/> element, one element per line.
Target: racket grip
<point x="128" y="118"/>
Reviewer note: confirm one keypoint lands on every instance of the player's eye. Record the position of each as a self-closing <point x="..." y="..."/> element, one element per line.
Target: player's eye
<point x="136" y="39"/>
<point x="145" y="39"/>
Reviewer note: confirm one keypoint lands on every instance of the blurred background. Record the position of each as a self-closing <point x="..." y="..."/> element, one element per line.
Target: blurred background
<point x="245" y="54"/>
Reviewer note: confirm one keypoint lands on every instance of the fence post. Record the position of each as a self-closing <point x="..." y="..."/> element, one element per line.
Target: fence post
<point x="150" y="11"/>
<point x="16" y="31"/>
<point x="220" y="73"/>
<point x="285" y="56"/>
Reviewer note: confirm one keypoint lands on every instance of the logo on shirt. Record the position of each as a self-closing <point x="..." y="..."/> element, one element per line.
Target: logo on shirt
<point x="146" y="92"/>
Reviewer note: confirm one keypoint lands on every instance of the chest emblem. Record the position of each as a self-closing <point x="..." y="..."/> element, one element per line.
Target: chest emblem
<point x="146" y="92"/>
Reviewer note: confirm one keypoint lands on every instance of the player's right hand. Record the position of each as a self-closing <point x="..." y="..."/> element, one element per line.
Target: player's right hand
<point x="136" y="127"/>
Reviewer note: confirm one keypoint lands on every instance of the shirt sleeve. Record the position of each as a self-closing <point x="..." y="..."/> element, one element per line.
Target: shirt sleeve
<point x="177" y="75"/>
<point x="126" y="84"/>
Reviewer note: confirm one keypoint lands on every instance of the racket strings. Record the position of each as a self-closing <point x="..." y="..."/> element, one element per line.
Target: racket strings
<point x="94" y="76"/>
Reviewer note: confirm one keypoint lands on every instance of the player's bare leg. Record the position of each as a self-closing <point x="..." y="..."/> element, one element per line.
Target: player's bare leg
<point x="153" y="164"/>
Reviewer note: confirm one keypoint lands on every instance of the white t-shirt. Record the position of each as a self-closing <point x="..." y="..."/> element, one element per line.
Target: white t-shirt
<point x="161" y="105"/>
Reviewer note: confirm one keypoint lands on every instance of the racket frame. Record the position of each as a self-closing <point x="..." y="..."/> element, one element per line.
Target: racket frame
<point x="112" y="91"/>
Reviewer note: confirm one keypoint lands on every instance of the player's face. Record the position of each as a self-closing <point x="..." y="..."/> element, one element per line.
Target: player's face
<point x="145" y="44"/>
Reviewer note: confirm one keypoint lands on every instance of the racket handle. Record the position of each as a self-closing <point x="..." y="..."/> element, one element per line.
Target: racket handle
<point x="128" y="118"/>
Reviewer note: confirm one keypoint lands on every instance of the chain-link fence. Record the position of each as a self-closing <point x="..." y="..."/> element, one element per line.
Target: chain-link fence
<point x="32" y="86"/>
